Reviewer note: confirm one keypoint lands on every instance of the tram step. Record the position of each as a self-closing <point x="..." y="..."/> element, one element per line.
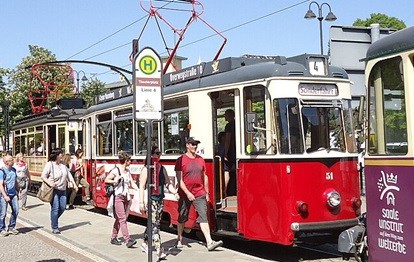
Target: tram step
<point x="229" y="233"/>
<point x="230" y="201"/>
<point x="226" y="221"/>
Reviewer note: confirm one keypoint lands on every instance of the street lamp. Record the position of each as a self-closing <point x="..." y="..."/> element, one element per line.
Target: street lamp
<point x="330" y="17"/>
<point x="5" y="110"/>
<point x="84" y="78"/>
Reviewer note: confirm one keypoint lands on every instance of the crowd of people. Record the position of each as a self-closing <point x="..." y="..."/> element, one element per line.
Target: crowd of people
<point x="64" y="173"/>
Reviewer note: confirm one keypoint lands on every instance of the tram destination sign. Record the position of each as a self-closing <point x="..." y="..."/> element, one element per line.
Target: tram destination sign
<point x="317" y="89"/>
<point x="147" y="84"/>
<point x="209" y="68"/>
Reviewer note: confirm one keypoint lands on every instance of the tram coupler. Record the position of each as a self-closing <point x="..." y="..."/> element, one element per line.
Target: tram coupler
<point x="353" y="241"/>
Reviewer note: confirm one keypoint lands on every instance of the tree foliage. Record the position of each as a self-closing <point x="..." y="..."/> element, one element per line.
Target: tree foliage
<point x="91" y="89"/>
<point x="383" y="20"/>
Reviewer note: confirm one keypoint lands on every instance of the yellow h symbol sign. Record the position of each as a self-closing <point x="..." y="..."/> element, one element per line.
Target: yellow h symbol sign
<point x="148" y="65"/>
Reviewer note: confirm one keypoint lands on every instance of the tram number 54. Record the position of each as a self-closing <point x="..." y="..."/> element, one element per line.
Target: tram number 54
<point x="329" y="176"/>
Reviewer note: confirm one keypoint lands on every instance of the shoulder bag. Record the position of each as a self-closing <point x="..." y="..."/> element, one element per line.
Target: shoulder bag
<point x="45" y="192"/>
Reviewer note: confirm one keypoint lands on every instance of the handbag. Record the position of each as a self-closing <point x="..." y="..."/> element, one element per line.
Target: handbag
<point x="45" y="192"/>
<point x="21" y="182"/>
<point x="109" y="190"/>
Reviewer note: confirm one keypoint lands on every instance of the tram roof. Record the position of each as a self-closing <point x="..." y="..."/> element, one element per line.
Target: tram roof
<point x="49" y="117"/>
<point x="232" y="70"/>
<point x="396" y="42"/>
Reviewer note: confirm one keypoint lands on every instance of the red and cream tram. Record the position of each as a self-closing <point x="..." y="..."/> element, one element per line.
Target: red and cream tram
<point x="296" y="156"/>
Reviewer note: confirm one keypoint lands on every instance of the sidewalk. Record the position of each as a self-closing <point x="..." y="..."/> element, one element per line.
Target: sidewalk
<point x="86" y="235"/>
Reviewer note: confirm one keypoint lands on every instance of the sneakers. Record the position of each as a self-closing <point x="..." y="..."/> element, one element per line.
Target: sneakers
<point x="161" y="255"/>
<point x="213" y="245"/>
<point x="179" y="244"/>
<point x="56" y="231"/>
<point x="144" y="247"/>
<point x="13" y="231"/>
<point x="4" y="233"/>
<point x="131" y="243"/>
<point x="115" y="241"/>
<point x="25" y="208"/>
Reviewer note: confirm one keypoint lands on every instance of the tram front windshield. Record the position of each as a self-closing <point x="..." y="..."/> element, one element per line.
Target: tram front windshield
<point x="313" y="127"/>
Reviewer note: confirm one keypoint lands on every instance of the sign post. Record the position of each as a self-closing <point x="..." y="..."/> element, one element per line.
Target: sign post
<point x="148" y="107"/>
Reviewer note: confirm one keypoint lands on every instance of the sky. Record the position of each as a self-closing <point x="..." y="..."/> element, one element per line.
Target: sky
<point x="102" y="30"/>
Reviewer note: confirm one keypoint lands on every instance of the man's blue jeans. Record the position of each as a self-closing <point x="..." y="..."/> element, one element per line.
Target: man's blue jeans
<point x="58" y="206"/>
<point x="14" y="204"/>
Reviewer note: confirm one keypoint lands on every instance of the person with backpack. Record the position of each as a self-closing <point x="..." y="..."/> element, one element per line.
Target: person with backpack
<point x="121" y="178"/>
<point x="157" y="198"/>
<point x="9" y="195"/>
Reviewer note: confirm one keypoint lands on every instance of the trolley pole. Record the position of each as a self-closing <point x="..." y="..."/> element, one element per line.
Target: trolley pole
<point x="148" y="107"/>
<point x="149" y="189"/>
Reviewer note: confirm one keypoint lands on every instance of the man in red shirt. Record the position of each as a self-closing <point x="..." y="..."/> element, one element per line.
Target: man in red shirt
<point x="193" y="190"/>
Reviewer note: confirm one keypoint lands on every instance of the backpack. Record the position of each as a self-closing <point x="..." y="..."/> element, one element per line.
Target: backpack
<point x="110" y="188"/>
<point x="4" y="180"/>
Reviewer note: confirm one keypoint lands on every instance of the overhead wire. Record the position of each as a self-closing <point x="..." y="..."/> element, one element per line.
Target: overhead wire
<point x="116" y="32"/>
<point x="206" y="37"/>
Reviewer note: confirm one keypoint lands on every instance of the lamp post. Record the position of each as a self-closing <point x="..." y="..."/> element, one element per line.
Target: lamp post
<point x="330" y="17"/>
<point x="84" y="78"/>
<point x="5" y="110"/>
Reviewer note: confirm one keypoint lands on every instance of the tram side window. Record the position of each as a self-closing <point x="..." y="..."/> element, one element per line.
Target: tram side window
<point x="176" y="125"/>
<point x="32" y="146"/>
<point x="124" y="136"/>
<point x="61" y="137"/>
<point x="123" y="131"/>
<point x="387" y="110"/>
<point x="104" y="133"/>
<point x="255" y="101"/>
<point x="17" y="145"/>
<point x="289" y="125"/>
<point x="40" y="147"/>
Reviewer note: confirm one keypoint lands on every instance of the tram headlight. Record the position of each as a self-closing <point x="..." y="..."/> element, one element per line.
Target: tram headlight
<point x="302" y="207"/>
<point x="334" y="199"/>
<point x="357" y="202"/>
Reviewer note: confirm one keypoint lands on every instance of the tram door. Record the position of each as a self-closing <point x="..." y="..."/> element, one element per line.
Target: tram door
<point x="223" y="103"/>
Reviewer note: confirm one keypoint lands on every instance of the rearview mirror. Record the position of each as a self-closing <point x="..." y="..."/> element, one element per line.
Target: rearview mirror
<point x="251" y="122"/>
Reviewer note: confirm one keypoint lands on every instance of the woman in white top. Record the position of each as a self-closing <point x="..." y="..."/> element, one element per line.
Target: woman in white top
<point x="121" y="178"/>
<point x="23" y="178"/>
<point x="57" y="175"/>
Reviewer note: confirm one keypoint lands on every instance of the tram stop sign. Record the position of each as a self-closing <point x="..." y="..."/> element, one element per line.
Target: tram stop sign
<point x="147" y="73"/>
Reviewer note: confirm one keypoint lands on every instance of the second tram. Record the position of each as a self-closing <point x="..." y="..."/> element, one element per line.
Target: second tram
<point x="296" y="156"/>
<point x="389" y="158"/>
<point x="36" y="135"/>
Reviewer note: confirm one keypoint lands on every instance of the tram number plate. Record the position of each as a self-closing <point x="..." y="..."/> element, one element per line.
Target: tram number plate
<point x="329" y="176"/>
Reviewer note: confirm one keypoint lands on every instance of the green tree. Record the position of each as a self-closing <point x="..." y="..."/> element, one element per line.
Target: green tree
<point x="91" y="89"/>
<point x="382" y="19"/>
<point x="3" y="97"/>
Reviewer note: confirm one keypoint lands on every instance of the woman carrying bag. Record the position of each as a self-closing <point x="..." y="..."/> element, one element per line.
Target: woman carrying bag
<point x="121" y="178"/>
<point x="57" y="175"/>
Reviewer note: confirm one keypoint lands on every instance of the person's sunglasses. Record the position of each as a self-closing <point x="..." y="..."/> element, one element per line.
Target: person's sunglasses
<point x="194" y="144"/>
